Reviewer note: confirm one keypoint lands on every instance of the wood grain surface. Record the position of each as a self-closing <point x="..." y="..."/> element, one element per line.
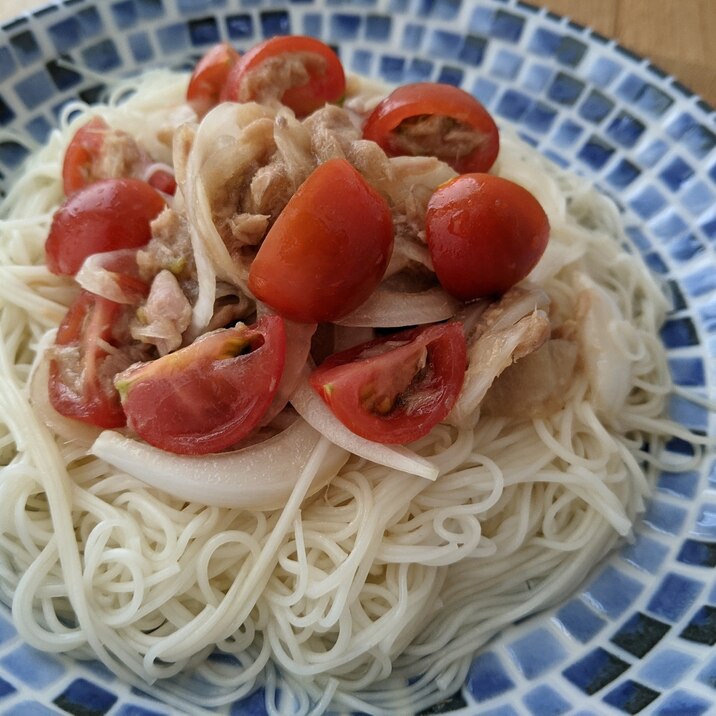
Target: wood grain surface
<point x="676" y="35"/>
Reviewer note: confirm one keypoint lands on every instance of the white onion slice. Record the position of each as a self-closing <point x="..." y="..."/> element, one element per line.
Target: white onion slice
<point x="257" y="477"/>
<point x="315" y="412"/>
<point x="99" y="275"/>
<point x="388" y="308"/>
<point x="608" y="369"/>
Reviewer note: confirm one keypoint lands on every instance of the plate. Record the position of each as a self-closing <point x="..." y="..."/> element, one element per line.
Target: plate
<point x="638" y="636"/>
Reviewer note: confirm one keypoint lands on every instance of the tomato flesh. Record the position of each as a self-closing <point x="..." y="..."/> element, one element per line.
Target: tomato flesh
<point x="104" y="216"/>
<point x="80" y="155"/>
<point x="328" y="249"/>
<point x="317" y="76"/>
<point x="475" y="145"/>
<point x="209" y="77"/>
<point x="78" y="386"/>
<point x="395" y="389"/>
<point x="485" y="234"/>
<point x="163" y="181"/>
<point x="206" y="397"/>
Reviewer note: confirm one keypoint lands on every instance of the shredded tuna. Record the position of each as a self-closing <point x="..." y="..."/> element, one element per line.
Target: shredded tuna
<point x="121" y="156"/>
<point x="268" y="82"/>
<point x="435" y="135"/>
<point x="507" y="331"/>
<point x="164" y="317"/>
<point x="169" y="249"/>
<point x="538" y="386"/>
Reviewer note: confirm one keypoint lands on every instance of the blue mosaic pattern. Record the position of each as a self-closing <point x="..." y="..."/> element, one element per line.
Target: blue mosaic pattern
<point x="639" y="636"/>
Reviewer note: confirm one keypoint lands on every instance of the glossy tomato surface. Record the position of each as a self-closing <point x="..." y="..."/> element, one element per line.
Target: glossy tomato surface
<point x="78" y="387"/>
<point x="475" y="142"/>
<point x="485" y="234"/>
<point x="306" y="69"/>
<point x="395" y="389"/>
<point x="206" y="397"/>
<point x="209" y="77"/>
<point x="328" y="249"/>
<point x="104" y="216"/>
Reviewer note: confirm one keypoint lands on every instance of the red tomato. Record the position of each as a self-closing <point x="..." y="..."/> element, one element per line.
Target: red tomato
<point x="484" y="234"/>
<point x="410" y="106"/>
<point x="395" y="389"/>
<point x="204" y="398"/>
<point x="163" y="181"/>
<point x="104" y="216"/>
<point x="79" y="388"/>
<point x="307" y="70"/>
<point x="327" y="250"/>
<point x="209" y="77"/>
<point x="81" y="154"/>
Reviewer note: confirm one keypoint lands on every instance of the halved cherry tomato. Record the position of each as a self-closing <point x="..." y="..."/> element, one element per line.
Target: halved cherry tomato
<point x="79" y="386"/>
<point x="209" y="76"/>
<point x="431" y="119"/>
<point x="163" y="181"/>
<point x="104" y="216"/>
<point x="328" y="249"/>
<point x="395" y="389"/>
<point x="484" y="233"/>
<point x="81" y="154"/>
<point x="204" y="398"/>
<point x="302" y="72"/>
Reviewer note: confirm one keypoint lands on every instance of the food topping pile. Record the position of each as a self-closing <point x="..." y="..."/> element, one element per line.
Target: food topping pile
<point x="303" y="231"/>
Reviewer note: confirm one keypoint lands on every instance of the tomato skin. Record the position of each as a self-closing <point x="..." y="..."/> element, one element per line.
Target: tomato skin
<point x="349" y="381"/>
<point x="89" y="319"/>
<point x="80" y="155"/>
<point x="322" y="87"/>
<point x="430" y="98"/>
<point x="328" y="249"/>
<point x="206" y="397"/>
<point x="485" y="234"/>
<point x="163" y="181"/>
<point x="104" y="216"/>
<point x="209" y="77"/>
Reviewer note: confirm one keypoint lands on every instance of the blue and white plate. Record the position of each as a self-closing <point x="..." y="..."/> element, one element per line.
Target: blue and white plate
<point x="639" y="636"/>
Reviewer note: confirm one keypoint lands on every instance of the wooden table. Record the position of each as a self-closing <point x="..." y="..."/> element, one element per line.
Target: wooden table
<point x="676" y="35"/>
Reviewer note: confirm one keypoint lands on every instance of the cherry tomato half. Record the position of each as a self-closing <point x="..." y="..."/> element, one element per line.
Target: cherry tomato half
<point x="81" y="154"/>
<point x="79" y="387"/>
<point x="484" y="233"/>
<point x="209" y="76"/>
<point x="395" y="389"/>
<point x="107" y="215"/>
<point x="163" y="180"/>
<point x="204" y="398"/>
<point x="431" y="119"/>
<point x="328" y="249"/>
<point x="84" y="161"/>
<point x="302" y="72"/>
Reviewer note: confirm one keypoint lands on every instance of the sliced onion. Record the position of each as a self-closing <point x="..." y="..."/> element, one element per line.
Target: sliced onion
<point x="345" y="337"/>
<point x="219" y="151"/>
<point x="102" y="275"/>
<point x="257" y="477"/>
<point x="315" y="412"/>
<point x="608" y="369"/>
<point x="388" y="308"/>
<point x="73" y="430"/>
